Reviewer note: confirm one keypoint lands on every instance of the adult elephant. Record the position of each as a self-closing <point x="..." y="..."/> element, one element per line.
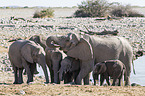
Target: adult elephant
<point x="53" y="57"/>
<point x="92" y="49"/>
<point x="24" y="54"/>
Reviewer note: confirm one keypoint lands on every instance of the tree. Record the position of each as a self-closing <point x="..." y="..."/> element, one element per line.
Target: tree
<point x="93" y="8"/>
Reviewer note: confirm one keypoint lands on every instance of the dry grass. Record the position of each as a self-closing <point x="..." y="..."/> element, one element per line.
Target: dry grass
<point x="72" y="90"/>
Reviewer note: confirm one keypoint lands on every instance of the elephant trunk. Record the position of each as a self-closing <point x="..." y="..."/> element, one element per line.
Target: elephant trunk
<point x="42" y="62"/>
<point x="61" y="74"/>
<point x="52" y="42"/>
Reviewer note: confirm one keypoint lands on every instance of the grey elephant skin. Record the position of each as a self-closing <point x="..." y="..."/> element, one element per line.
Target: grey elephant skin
<point x="93" y="49"/>
<point x="24" y="54"/>
<point x="53" y="57"/>
<point x="113" y="68"/>
<point x="69" y="69"/>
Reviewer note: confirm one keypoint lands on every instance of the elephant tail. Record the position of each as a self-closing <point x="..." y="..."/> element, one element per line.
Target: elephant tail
<point x="133" y="68"/>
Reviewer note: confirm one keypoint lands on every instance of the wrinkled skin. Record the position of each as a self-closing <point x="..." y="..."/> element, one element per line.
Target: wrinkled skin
<point x="69" y="69"/>
<point x="112" y="68"/>
<point x="92" y="49"/>
<point x="24" y="54"/>
<point x="53" y="57"/>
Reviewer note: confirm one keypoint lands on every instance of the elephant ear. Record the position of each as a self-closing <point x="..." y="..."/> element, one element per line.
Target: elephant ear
<point x="83" y="51"/>
<point x="74" y="39"/>
<point x="102" y="68"/>
<point x="26" y="52"/>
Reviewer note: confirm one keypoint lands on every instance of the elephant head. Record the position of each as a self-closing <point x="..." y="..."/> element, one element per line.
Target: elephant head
<point x="65" y="67"/>
<point x="68" y="65"/>
<point x="34" y="53"/>
<point x="56" y="41"/>
<point x="99" y="68"/>
<point x="77" y="47"/>
<point x="39" y="40"/>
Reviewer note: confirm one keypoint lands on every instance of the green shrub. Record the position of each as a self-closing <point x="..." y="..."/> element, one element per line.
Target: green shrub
<point x="124" y="11"/>
<point x="92" y="8"/>
<point x="48" y="13"/>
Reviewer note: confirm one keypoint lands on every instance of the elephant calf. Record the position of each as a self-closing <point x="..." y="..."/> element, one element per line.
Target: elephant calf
<point x="69" y="69"/>
<point x="112" y="68"/>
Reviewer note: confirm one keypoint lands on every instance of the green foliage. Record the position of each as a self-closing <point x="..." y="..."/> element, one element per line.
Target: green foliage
<point x="124" y="11"/>
<point x="26" y="7"/>
<point x="46" y="13"/>
<point x="93" y="8"/>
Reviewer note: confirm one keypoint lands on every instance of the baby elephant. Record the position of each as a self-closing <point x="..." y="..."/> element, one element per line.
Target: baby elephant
<point x="69" y="69"/>
<point x="112" y="68"/>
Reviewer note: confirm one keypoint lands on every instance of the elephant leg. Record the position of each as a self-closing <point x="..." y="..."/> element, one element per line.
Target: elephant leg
<point x="15" y="75"/>
<point x="95" y="78"/>
<point x="27" y="68"/>
<point x="51" y="75"/>
<point x="56" y="66"/>
<point x="32" y="69"/>
<point x="75" y="75"/>
<point x="107" y="80"/>
<point x="127" y="80"/>
<point x="86" y="80"/>
<point x="127" y="60"/>
<point x="120" y="79"/>
<point x="81" y="75"/>
<point x="20" y="76"/>
<point x="101" y="80"/>
<point x="86" y="68"/>
<point x="114" y="81"/>
<point x="68" y="77"/>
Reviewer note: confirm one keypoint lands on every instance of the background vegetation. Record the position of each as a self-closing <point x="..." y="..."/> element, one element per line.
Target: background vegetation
<point x="45" y="13"/>
<point x="99" y="8"/>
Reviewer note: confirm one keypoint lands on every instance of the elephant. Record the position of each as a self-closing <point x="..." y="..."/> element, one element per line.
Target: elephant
<point x="69" y="69"/>
<point x="24" y="54"/>
<point x="93" y="49"/>
<point x="113" y="68"/>
<point x="53" y="57"/>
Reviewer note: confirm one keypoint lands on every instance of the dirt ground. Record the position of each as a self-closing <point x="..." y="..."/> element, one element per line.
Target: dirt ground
<point x="39" y="88"/>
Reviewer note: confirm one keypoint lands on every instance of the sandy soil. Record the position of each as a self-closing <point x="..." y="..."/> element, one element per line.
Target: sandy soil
<point x="131" y="28"/>
<point x="39" y="88"/>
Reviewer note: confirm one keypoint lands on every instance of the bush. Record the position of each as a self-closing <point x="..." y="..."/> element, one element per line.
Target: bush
<point x="124" y="11"/>
<point x="132" y="13"/>
<point x="92" y="8"/>
<point x="44" y="13"/>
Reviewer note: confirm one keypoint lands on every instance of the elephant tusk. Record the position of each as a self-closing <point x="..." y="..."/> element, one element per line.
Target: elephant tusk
<point x="56" y="45"/>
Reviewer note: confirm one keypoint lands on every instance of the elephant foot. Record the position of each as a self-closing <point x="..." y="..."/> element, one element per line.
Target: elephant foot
<point x="29" y="81"/>
<point x="127" y="84"/>
<point x="20" y="82"/>
<point x="113" y="85"/>
<point x="46" y="82"/>
<point x="71" y="83"/>
<point x="15" y="83"/>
